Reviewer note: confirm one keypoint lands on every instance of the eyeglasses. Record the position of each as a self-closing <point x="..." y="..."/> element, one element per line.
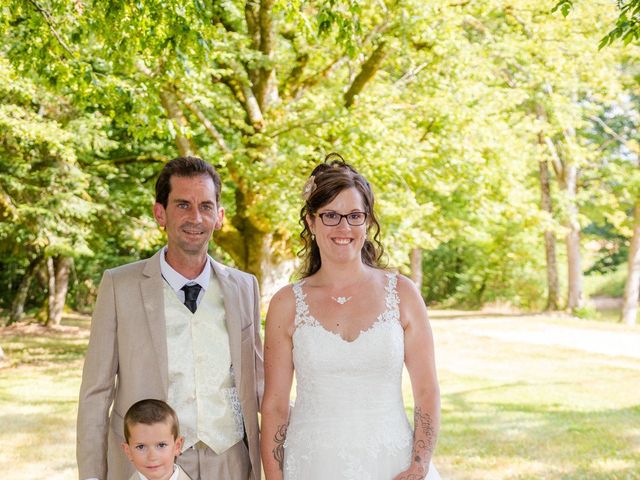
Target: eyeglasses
<point x="332" y="219"/>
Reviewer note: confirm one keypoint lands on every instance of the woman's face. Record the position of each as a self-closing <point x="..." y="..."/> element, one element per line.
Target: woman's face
<point x="342" y="242"/>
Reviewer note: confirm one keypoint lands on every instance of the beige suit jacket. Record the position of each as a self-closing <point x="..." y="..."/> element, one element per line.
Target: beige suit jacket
<point x="127" y="360"/>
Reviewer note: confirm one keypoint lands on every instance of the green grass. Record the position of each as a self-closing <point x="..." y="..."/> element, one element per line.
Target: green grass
<point x="510" y="410"/>
<point x="39" y="386"/>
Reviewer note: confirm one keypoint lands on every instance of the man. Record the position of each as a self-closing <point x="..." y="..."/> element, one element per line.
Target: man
<point x="182" y="328"/>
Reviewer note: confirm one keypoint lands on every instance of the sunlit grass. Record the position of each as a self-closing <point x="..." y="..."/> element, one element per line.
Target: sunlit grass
<point x="513" y="410"/>
<point x="510" y="409"/>
<point x="38" y="402"/>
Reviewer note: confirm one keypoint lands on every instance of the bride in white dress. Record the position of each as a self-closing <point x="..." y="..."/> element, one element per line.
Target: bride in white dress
<point x="346" y="330"/>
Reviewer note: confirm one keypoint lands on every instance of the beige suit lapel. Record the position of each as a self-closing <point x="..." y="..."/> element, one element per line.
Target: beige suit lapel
<point x="234" y="322"/>
<point x="152" y="288"/>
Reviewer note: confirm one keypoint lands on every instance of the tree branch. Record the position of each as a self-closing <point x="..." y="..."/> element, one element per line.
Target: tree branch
<point x="176" y="115"/>
<point x="317" y="77"/>
<point x="631" y="146"/>
<point x="193" y="108"/>
<point x="244" y="94"/>
<point x="266" y="48"/>
<point x="50" y="22"/>
<point x="368" y="71"/>
<point x="556" y="161"/>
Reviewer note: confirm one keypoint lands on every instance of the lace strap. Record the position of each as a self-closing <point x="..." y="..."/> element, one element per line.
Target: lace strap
<point x="302" y="309"/>
<point x="391" y="299"/>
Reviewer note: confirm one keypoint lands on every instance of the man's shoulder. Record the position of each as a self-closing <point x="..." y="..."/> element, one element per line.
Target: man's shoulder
<point x="132" y="268"/>
<point x="235" y="273"/>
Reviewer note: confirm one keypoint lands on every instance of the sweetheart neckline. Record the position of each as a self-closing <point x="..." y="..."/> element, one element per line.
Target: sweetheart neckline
<point x="315" y="323"/>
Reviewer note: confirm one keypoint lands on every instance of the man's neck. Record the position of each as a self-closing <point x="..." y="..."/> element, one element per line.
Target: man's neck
<point x="189" y="266"/>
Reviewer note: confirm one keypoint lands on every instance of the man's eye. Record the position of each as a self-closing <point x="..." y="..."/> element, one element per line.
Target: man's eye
<point x="183" y="205"/>
<point x="207" y="208"/>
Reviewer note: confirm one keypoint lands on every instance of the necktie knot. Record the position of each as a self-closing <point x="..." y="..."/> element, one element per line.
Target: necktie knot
<point x="191" y="296"/>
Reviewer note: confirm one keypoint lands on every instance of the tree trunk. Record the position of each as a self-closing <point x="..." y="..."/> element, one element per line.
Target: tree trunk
<point x="179" y="121"/>
<point x="58" y="285"/>
<point x="553" y="289"/>
<point x="51" y="287"/>
<point x="632" y="286"/>
<point x="416" y="267"/>
<point x="575" y="299"/>
<point x="17" y="305"/>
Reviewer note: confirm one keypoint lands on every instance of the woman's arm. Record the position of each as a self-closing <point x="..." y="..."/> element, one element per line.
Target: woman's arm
<point x="278" y="366"/>
<point x="420" y="361"/>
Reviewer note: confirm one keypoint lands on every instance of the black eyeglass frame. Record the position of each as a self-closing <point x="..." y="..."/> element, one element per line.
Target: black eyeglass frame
<point x="341" y="216"/>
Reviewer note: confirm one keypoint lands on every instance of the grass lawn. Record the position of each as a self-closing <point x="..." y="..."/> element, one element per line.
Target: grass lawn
<point x="510" y="409"/>
<point x="520" y="410"/>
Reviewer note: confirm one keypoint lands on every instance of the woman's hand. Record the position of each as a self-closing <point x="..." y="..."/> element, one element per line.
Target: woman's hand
<point x="414" y="472"/>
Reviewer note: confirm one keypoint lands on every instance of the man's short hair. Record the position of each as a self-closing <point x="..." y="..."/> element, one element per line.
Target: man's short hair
<point x="184" y="167"/>
<point x="148" y="412"/>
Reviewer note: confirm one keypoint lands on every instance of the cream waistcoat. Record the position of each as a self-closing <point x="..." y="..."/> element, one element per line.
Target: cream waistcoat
<point x="201" y="385"/>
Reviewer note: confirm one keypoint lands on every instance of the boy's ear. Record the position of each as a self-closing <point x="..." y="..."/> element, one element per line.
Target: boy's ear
<point x="178" y="447"/>
<point x="127" y="450"/>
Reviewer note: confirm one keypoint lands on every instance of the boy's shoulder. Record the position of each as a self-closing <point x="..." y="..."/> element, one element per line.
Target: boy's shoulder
<point x="182" y="475"/>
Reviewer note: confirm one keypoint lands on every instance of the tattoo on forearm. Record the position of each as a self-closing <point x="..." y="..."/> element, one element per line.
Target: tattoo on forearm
<point x="423" y="437"/>
<point x="278" y="451"/>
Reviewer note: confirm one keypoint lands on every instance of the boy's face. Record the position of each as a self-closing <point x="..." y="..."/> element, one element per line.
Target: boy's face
<point x="152" y="449"/>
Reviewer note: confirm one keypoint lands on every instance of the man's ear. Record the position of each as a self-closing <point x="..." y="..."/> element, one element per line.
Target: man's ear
<point x="220" y="219"/>
<point x="160" y="214"/>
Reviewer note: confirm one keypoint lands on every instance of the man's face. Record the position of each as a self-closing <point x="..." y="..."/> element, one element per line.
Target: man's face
<point x="191" y="215"/>
<point x="152" y="449"/>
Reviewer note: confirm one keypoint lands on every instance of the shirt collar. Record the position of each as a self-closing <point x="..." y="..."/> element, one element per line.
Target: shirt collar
<point x="176" y="280"/>
<point x="174" y="476"/>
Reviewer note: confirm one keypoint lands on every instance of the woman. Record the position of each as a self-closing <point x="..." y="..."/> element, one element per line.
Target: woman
<point x="346" y="329"/>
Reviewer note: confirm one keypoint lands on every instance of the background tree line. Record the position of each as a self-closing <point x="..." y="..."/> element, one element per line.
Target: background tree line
<point x="502" y="144"/>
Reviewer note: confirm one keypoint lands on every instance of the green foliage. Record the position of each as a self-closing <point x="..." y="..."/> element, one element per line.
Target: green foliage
<point x="447" y="126"/>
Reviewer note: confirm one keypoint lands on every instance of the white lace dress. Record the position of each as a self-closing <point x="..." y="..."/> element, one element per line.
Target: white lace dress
<point x="348" y="421"/>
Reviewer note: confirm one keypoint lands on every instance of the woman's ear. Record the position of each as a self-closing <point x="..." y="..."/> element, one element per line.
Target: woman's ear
<point x="311" y="222"/>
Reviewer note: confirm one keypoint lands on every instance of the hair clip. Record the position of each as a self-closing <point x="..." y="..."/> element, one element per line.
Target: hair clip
<point x="309" y="187"/>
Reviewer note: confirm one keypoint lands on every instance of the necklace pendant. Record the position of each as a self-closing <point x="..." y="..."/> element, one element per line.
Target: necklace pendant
<point x="341" y="300"/>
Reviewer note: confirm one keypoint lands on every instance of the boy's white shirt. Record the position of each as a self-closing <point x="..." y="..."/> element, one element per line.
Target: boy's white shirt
<point x="176" y="472"/>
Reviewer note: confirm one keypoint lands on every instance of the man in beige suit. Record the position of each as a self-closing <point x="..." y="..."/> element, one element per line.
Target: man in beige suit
<point x="182" y="328"/>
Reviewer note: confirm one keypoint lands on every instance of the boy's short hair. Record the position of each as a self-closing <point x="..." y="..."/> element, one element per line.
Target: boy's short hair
<point x="148" y="412"/>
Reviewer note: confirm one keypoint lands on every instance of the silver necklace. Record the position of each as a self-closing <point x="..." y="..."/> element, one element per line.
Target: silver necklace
<point x="341" y="300"/>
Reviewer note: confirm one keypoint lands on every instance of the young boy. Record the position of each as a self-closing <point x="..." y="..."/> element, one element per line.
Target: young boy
<point x="153" y="441"/>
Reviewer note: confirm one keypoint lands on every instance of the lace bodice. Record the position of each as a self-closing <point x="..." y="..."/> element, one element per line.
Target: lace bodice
<point x="348" y="396"/>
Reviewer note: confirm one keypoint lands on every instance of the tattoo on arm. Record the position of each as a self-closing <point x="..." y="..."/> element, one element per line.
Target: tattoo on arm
<point x="278" y="451"/>
<point x="423" y="437"/>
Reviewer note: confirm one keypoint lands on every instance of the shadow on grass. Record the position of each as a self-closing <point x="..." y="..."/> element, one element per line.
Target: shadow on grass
<point x="526" y="441"/>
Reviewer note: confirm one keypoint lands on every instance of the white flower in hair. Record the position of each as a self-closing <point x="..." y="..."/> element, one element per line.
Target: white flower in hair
<point x="309" y="187"/>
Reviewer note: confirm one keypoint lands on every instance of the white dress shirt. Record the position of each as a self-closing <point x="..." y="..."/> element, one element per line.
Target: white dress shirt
<point x="176" y="281"/>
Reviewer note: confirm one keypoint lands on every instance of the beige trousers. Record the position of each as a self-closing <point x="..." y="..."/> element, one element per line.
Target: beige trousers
<point x="202" y="463"/>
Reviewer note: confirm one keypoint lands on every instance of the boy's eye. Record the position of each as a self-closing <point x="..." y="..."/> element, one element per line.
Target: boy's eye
<point x="163" y="444"/>
<point x="139" y="447"/>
